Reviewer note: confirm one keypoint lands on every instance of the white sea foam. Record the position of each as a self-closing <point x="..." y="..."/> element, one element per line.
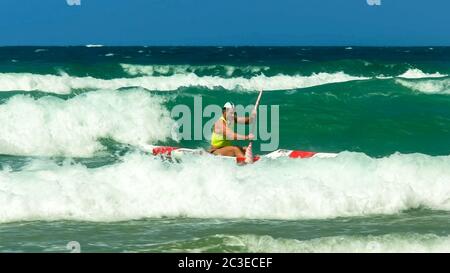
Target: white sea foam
<point x="64" y="84"/>
<point x="383" y="77"/>
<point x="52" y="126"/>
<point x="390" y="243"/>
<point x="415" y="73"/>
<point x="142" y="186"/>
<point x="155" y="70"/>
<point x="94" y="45"/>
<point x="430" y="86"/>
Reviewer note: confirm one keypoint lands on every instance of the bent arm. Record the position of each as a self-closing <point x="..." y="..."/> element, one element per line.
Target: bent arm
<point x="228" y="133"/>
<point x="245" y="120"/>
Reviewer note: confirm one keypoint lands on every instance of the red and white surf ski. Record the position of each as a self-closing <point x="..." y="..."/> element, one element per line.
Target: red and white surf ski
<point x="178" y="153"/>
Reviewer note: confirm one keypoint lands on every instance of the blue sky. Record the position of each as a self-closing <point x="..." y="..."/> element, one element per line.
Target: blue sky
<point x="225" y="22"/>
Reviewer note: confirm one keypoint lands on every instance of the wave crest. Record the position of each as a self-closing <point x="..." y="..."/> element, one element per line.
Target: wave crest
<point x="73" y="127"/>
<point x="390" y="243"/>
<point x="415" y="73"/>
<point x="65" y="84"/>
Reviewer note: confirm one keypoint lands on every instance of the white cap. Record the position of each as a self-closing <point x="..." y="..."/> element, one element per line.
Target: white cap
<point x="228" y="105"/>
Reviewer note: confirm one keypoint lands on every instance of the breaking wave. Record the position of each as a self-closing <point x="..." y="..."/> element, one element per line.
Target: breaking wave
<point x="65" y="84"/>
<point x="142" y="186"/>
<point x="73" y="127"/>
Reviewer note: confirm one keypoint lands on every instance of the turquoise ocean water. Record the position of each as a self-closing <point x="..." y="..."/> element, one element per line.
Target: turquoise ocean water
<point x="72" y="118"/>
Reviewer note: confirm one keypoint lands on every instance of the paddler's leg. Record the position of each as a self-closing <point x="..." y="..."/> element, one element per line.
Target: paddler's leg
<point x="230" y="151"/>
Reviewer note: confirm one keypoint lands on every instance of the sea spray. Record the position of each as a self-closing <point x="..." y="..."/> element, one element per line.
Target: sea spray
<point x="143" y="186"/>
<point x="53" y="126"/>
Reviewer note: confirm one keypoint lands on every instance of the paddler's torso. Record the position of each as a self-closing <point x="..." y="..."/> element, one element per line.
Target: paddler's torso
<point x="218" y="139"/>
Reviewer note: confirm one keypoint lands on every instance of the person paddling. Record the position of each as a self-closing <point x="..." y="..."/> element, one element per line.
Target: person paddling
<point x="223" y="133"/>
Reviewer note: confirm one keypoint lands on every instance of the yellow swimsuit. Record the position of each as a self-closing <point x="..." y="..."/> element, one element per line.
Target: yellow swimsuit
<point x="218" y="140"/>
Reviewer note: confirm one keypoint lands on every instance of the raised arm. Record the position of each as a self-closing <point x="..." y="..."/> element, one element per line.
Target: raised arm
<point x="245" y="120"/>
<point x="222" y="128"/>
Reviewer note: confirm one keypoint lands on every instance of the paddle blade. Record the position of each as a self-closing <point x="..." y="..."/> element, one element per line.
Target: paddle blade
<point x="249" y="154"/>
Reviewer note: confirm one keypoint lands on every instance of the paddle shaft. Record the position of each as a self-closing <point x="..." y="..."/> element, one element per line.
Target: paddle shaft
<point x="256" y="109"/>
<point x="249" y="152"/>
